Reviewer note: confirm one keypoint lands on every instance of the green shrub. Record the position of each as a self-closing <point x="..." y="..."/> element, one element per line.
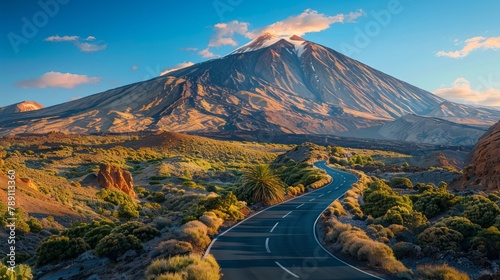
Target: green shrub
<point x="337" y="151"/>
<point x="421" y="187"/>
<point x="480" y="210"/>
<point x="403" y="216"/>
<point x="433" y="202"/>
<point x="96" y="234"/>
<point x="404" y="249"/>
<point x="488" y="242"/>
<point x="461" y="224"/>
<point x="398" y="182"/>
<point x="81" y="229"/>
<point x="35" y="225"/>
<point x="21" y="272"/>
<point x="157" y="197"/>
<point x="441" y="237"/>
<point x="116" y="244"/>
<point x="22" y="227"/>
<point x="379" y="198"/>
<point x="127" y="228"/>
<point x="55" y="249"/>
<point x="146" y="233"/>
<point x="439" y="272"/>
<point x="114" y="196"/>
<point x="128" y="211"/>
<point x="360" y="160"/>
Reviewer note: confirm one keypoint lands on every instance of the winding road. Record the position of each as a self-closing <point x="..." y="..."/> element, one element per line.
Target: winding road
<point x="280" y="241"/>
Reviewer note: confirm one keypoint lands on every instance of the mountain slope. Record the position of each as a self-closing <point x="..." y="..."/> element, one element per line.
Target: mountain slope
<point x="420" y="129"/>
<point x="464" y="114"/>
<point x="24" y="106"/>
<point x="276" y="84"/>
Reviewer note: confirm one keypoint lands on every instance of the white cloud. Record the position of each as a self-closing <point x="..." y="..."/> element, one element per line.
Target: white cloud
<point x="188" y="49"/>
<point x="307" y="22"/>
<point x="224" y="33"/>
<point x="57" y="38"/>
<point x="461" y="92"/>
<point x="472" y="44"/>
<point x="176" y="67"/>
<point x="58" y="79"/>
<point x="90" y="47"/>
<point x="82" y="44"/>
<point x="134" y="67"/>
<point x="207" y="53"/>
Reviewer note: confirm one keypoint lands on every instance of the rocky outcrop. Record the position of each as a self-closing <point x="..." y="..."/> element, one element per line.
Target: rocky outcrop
<point x="114" y="178"/>
<point x="484" y="170"/>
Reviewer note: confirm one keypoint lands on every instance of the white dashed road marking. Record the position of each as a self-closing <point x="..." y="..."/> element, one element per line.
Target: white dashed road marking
<point x="274" y="226"/>
<point x="287" y="214"/>
<point x="291" y="273"/>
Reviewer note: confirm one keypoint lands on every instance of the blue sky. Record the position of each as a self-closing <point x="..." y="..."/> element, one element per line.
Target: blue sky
<point x="53" y="51"/>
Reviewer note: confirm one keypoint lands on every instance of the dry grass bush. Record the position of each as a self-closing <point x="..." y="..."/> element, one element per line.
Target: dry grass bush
<point x="335" y="209"/>
<point x="380" y="233"/>
<point x="397" y="230"/>
<point x="357" y="244"/>
<point x="172" y="276"/>
<point x="172" y="247"/>
<point x="297" y="190"/>
<point x="334" y="229"/>
<point x="439" y="272"/>
<point x="190" y="267"/>
<point x="352" y="205"/>
<point x="351" y="197"/>
<point x="196" y="233"/>
<point x="211" y="220"/>
<point x="321" y="183"/>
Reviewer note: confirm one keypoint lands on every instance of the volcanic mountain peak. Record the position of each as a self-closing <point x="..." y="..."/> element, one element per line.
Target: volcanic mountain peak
<point x="268" y="39"/>
<point x="296" y="38"/>
<point x="271" y="84"/>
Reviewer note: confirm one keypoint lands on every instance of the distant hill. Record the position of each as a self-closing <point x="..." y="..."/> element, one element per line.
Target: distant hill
<point x="24" y="106"/>
<point x="420" y="129"/>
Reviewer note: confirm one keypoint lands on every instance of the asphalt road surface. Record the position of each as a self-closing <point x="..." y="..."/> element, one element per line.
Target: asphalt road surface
<point x="280" y="242"/>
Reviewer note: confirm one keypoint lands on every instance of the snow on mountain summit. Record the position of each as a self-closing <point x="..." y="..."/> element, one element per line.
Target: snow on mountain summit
<point x="268" y="40"/>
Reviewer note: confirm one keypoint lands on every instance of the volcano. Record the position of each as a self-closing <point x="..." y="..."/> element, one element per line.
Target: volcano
<point x="286" y="85"/>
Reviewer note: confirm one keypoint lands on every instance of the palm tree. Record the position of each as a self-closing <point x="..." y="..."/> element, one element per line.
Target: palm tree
<point x="262" y="185"/>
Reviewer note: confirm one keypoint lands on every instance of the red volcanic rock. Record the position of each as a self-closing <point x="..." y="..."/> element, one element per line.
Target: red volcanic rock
<point x="484" y="172"/>
<point x="114" y="178"/>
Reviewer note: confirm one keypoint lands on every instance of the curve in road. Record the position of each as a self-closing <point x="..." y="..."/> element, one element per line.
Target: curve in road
<point x="280" y="241"/>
